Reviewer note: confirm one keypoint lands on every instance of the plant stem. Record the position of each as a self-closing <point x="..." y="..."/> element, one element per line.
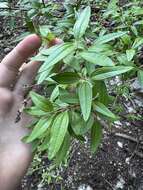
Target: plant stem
<point x="14" y="8"/>
<point x="43" y="3"/>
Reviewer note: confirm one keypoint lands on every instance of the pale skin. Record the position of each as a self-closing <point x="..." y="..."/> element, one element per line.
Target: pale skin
<point x="15" y="156"/>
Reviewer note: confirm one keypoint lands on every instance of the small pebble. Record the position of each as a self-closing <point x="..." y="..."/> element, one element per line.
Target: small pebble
<point x="6" y="50"/>
<point x="84" y="187"/>
<point x="120" y="144"/>
<point x="127" y="160"/>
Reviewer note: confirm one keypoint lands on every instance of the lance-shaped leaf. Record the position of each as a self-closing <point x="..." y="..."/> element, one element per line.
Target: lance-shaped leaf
<point x="137" y="43"/>
<point x="50" y="50"/>
<point x="60" y="157"/>
<point x="109" y="37"/>
<point x="130" y="54"/>
<point x="44" y="75"/>
<point x="82" y="23"/>
<point x="41" y="102"/>
<point x="85" y="98"/>
<point x="57" y="54"/>
<point x="42" y="125"/>
<point x="107" y="72"/>
<point x="58" y="132"/>
<point x="96" y="136"/>
<point x="66" y="78"/>
<point x="79" y="126"/>
<point x="35" y="111"/>
<point x="101" y="108"/>
<point x="45" y="142"/>
<point x="97" y="58"/>
<point x="100" y="90"/>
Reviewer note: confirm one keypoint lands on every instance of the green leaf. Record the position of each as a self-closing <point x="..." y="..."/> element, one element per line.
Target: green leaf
<point x="58" y="132"/>
<point x="109" y="37"/>
<point x="30" y="25"/>
<point x="96" y="136"/>
<point x="130" y="54"/>
<point x="3" y="5"/>
<point x="100" y="89"/>
<point x="41" y="102"/>
<point x="69" y="98"/>
<point x="45" y="142"/>
<point x="55" y="93"/>
<point x="107" y="72"/>
<point x="140" y="77"/>
<point x="44" y="30"/>
<point x="82" y="23"/>
<point x="66" y="78"/>
<point x="60" y="157"/>
<point x="50" y="50"/>
<point x="79" y="126"/>
<point x="46" y="33"/>
<point x="34" y="111"/>
<point x="138" y="42"/>
<point x="73" y="134"/>
<point x="100" y="48"/>
<point x="137" y="11"/>
<point x="101" y="108"/>
<point x="122" y="58"/>
<point x="85" y="99"/>
<point x="97" y="58"/>
<point x="57" y="54"/>
<point x="43" y="76"/>
<point x="40" y="128"/>
<point x="39" y="57"/>
<point x="139" y="22"/>
<point x="127" y="40"/>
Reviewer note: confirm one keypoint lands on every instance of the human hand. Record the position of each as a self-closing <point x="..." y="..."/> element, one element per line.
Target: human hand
<point x="15" y="156"/>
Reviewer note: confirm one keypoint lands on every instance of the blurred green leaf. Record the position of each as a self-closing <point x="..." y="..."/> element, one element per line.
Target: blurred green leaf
<point x="66" y="78"/>
<point x="42" y="125"/>
<point x="97" y="58"/>
<point x="138" y="42"/>
<point x="109" y="37"/>
<point x="100" y="90"/>
<point x="85" y="98"/>
<point x="130" y="54"/>
<point x="35" y="111"/>
<point x="101" y="108"/>
<point x="79" y="126"/>
<point x="82" y="23"/>
<point x="108" y="72"/>
<point x="41" y="102"/>
<point x="96" y="136"/>
<point x="61" y="155"/>
<point x="58" y="132"/>
<point x="57" y="54"/>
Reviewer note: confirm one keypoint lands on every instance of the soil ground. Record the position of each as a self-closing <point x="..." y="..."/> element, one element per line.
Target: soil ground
<point x="117" y="165"/>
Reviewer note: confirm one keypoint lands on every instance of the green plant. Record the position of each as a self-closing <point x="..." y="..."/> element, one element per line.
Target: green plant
<point x="77" y="103"/>
<point x="98" y="45"/>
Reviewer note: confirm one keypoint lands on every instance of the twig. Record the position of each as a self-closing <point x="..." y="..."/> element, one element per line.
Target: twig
<point x="126" y="137"/>
<point x="135" y="150"/>
<point x="14" y="8"/>
<point x="43" y="3"/>
<point x="108" y="183"/>
<point x="104" y="124"/>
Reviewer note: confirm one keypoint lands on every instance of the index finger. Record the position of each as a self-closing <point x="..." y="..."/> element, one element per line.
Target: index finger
<point x="12" y="62"/>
